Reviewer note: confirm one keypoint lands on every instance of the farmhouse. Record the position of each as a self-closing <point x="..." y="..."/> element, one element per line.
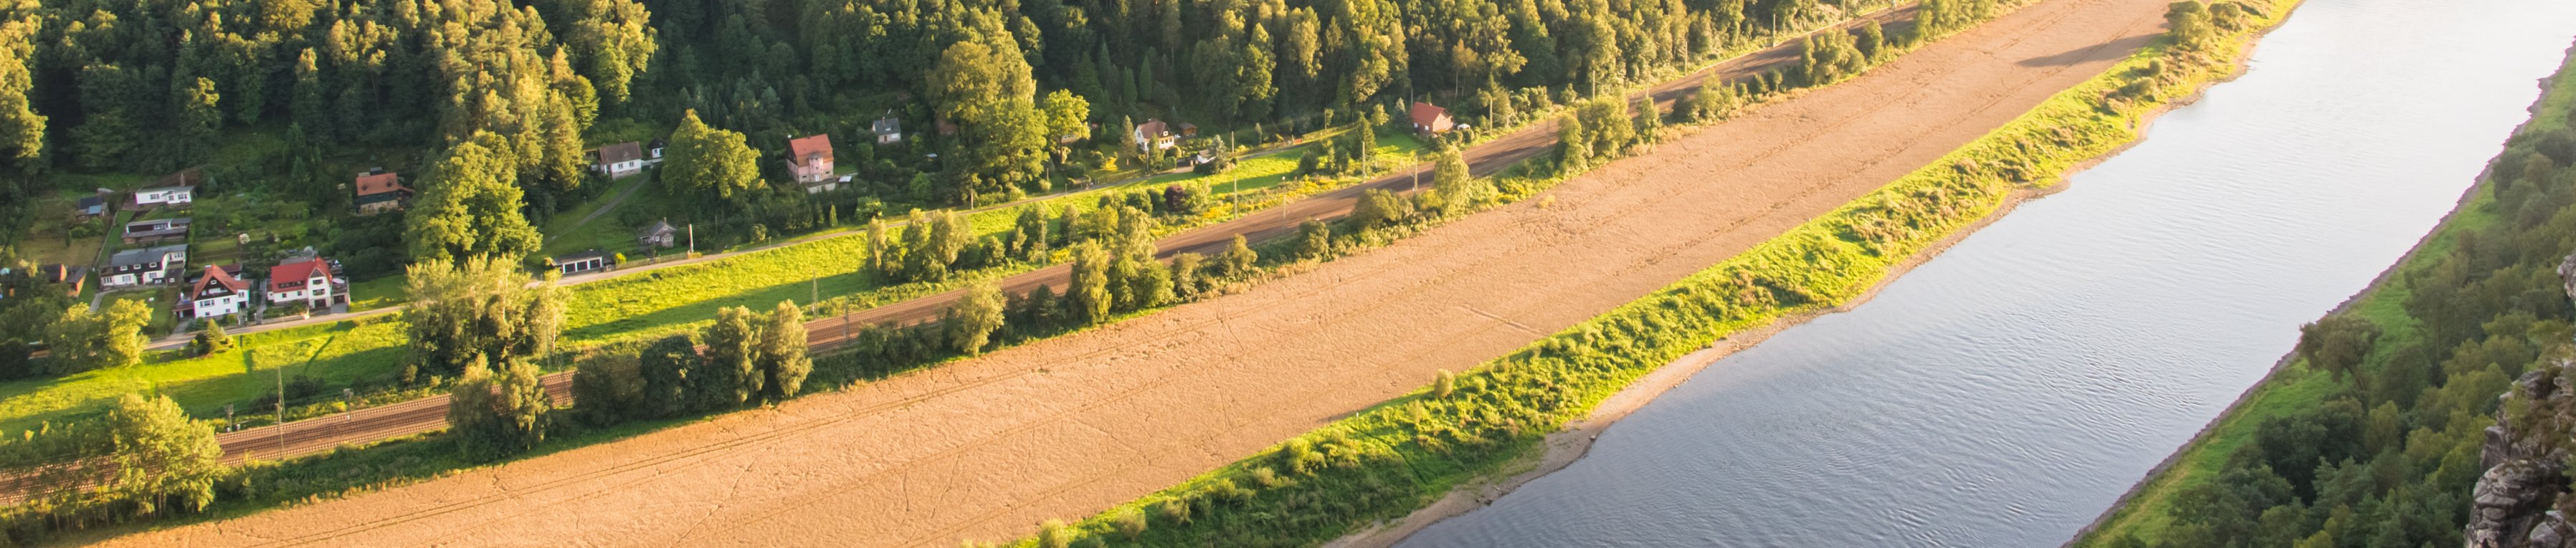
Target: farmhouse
<point x="586" y="261"/>
<point x="379" y="192"/>
<point x="156" y="230"/>
<point x="219" y="291"/>
<point x="307" y="281"/>
<point x="1430" y="119"/>
<point x="620" y="160"/>
<point x="810" y="159"/>
<point x="140" y="267"/>
<point x="889" y="129"/>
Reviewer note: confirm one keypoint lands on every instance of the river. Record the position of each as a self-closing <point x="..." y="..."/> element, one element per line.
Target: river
<point x="2005" y="393"/>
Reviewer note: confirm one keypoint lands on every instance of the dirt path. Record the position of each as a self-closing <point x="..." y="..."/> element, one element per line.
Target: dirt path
<point x="1063" y="428"/>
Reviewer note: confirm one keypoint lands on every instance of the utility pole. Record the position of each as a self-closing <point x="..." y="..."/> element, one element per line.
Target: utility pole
<point x="693" y="239"/>
<point x="281" y="410"/>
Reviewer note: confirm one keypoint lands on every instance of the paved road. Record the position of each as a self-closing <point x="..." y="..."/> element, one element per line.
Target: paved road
<point x="427" y="414"/>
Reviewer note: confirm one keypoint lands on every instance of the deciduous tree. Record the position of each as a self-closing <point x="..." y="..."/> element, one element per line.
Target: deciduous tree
<point x="782" y="359"/>
<point x="162" y="458"/>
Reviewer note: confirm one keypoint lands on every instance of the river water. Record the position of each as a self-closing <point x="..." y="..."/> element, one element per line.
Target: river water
<point x="2005" y="393"/>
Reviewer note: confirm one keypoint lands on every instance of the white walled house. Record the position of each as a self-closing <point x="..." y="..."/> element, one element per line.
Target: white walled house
<point x="140" y="267"/>
<point x="308" y="281"/>
<point x="216" y="293"/>
<point x="165" y="196"/>
<point x="620" y="160"/>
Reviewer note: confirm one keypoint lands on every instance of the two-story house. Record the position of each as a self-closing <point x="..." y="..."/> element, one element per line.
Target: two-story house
<point x="307" y="281"/>
<point x="217" y="292"/>
<point x="140" y="267"/>
<point x="810" y="159"/>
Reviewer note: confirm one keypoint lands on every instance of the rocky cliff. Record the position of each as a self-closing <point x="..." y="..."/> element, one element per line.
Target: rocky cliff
<point x="2516" y="503"/>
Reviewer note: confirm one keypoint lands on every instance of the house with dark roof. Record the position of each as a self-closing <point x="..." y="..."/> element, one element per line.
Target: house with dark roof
<point x="141" y="267"/>
<point x="308" y="281"/>
<point x="653" y="150"/>
<point x="889" y="130"/>
<point x="1430" y="119"/>
<point x="218" y="291"/>
<point x="620" y="160"/>
<point x="586" y="261"/>
<point x="91" y="207"/>
<point x="1151" y="135"/>
<point x="67" y="275"/>
<point x="810" y="159"/>
<point x="156" y="230"/>
<point x="380" y="191"/>
<point x="660" y="235"/>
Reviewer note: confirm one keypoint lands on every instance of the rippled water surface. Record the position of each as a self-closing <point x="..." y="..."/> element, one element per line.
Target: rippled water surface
<point x="2005" y="393"/>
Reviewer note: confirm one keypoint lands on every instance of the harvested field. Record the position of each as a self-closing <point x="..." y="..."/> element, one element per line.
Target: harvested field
<point x="1063" y="428"/>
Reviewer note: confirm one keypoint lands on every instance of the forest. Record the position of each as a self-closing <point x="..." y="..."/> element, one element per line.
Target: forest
<point x="150" y="86"/>
<point x="2378" y="442"/>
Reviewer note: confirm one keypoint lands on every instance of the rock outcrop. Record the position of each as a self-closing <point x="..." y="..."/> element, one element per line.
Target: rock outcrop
<point x="2513" y="505"/>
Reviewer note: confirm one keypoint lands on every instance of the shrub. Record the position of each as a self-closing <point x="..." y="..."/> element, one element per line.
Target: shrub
<point x="1130" y="522"/>
<point x="1053" y="534"/>
<point x="1314" y="240"/>
<point x="210" y="340"/>
<point x="1378" y="208"/>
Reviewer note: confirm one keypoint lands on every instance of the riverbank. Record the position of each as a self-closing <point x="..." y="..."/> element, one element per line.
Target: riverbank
<point x="1564" y="447"/>
<point x="2294" y="388"/>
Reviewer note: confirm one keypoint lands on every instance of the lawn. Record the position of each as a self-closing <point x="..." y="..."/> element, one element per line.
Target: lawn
<point x="642" y="305"/>
<point x="565" y="233"/>
<point x="205" y="384"/>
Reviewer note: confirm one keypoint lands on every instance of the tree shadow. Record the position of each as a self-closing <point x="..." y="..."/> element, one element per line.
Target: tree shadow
<point x="2121" y="47"/>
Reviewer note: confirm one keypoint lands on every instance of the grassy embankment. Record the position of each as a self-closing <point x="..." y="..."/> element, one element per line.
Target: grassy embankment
<point x="2406" y="345"/>
<point x="1390" y="459"/>
<point x="620" y="309"/>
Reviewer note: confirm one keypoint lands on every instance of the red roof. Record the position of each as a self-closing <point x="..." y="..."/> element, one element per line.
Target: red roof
<point x="217" y="275"/>
<point x="818" y="146"/>
<point x="1430" y="116"/>
<point x="291" y="276"/>
<point x="379" y="183"/>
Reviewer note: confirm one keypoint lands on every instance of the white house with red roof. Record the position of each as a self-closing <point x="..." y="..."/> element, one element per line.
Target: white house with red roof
<point x="1430" y="119"/>
<point x="810" y="159"/>
<point x="308" y="281"/>
<point x="217" y="292"/>
<point x="379" y="192"/>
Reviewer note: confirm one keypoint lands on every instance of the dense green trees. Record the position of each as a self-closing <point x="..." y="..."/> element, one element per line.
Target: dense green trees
<point x="495" y="414"/>
<point x="478" y="312"/>
<point x="471" y="207"/>
<point x="709" y="164"/>
<point x="971" y="321"/>
<point x="162" y="459"/>
<point x="83" y="340"/>
<point x="987" y="91"/>
<point x="781" y="360"/>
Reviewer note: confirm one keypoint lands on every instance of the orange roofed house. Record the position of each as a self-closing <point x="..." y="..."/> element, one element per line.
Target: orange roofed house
<point x="379" y="192"/>
<point x="1430" y="119"/>
<point x="810" y="159"/>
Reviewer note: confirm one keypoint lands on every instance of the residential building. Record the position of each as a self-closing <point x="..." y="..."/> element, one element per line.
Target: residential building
<point x="620" y="160"/>
<point x="653" y="151"/>
<point x="810" y="159"/>
<point x="1153" y="134"/>
<point x="141" y="267"/>
<point x="380" y="191"/>
<point x="218" y="291"/>
<point x="165" y="196"/>
<point x="889" y="129"/>
<point x="71" y="277"/>
<point x="586" y="261"/>
<point x="660" y="235"/>
<point x="308" y="281"/>
<point x="156" y="230"/>
<point x="1430" y="119"/>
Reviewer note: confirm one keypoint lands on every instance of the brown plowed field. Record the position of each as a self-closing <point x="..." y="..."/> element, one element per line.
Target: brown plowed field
<point x="1064" y="428"/>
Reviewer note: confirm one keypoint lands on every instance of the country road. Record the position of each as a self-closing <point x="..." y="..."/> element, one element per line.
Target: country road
<point x="395" y="420"/>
